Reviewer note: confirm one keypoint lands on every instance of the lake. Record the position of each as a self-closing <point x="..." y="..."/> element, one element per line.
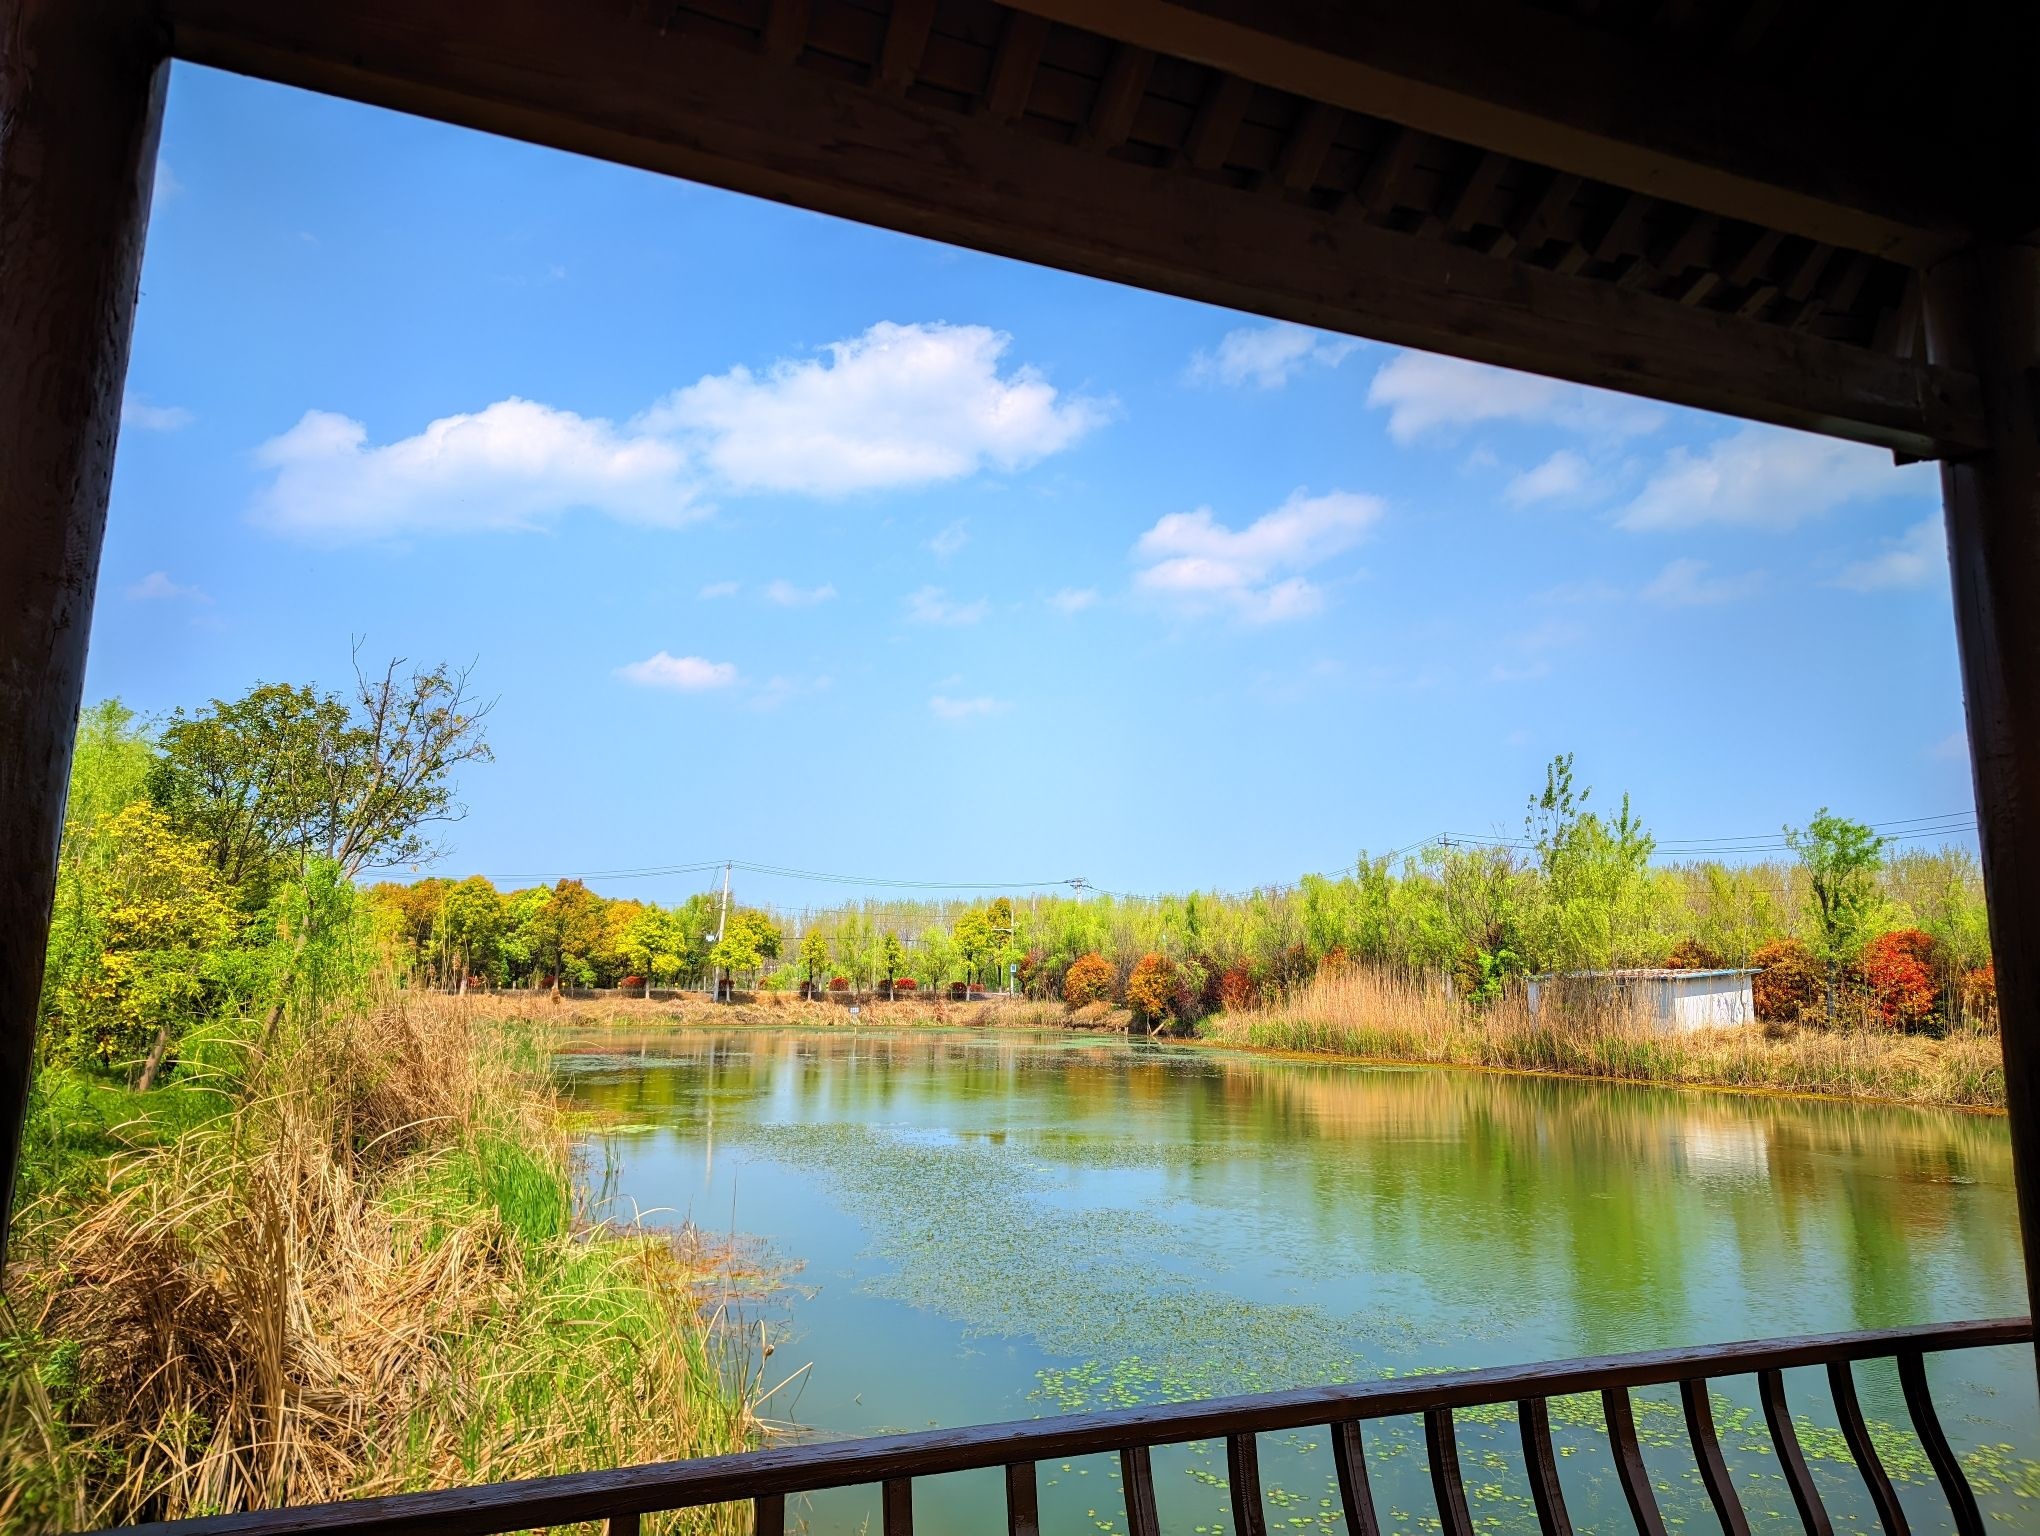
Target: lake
<point x="993" y="1226"/>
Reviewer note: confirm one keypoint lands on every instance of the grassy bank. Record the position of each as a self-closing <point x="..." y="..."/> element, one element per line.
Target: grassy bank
<point x="338" y="1256"/>
<point x="1375" y="1016"/>
<point x="787" y="1010"/>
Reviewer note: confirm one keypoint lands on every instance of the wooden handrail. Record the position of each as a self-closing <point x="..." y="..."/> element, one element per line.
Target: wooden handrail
<point x="624" y="1494"/>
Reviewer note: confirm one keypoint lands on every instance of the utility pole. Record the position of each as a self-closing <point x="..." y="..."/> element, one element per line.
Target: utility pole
<point x="722" y="926"/>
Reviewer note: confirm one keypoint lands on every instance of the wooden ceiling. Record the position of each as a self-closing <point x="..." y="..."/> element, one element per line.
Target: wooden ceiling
<point x="1721" y="206"/>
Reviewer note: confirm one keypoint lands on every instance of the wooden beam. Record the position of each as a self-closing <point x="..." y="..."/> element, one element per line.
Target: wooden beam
<point x="1217" y="122"/>
<point x="1013" y="67"/>
<point x="1982" y="313"/>
<point x="786" y="24"/>
<point x="1713" y="134"/>
<point x="590" y="78"/>
<point x="906" y="39"/>
<point x="1118" y="98"/>
<point x="1303" y="152"/>
<point x="81" y="109"/>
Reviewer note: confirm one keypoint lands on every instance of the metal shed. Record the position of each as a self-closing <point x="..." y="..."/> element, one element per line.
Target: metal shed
<point x="1677" y="1000"/>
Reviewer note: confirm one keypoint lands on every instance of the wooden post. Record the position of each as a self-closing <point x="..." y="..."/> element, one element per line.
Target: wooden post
<point x="1982" y="312"/>
<point x="81" y="107"/>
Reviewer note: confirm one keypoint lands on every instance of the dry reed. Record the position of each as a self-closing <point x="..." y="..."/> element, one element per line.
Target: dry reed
<point x="366" y="1278"/>
<point x="1359" y="1012"/>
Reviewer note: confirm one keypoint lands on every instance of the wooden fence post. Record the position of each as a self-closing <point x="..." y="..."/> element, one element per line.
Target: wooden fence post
<point x="81" y="108"/>
<point x="1982" y="312"/>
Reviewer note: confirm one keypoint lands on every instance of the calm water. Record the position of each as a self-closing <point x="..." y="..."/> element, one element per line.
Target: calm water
<point x="995" y="1226"/>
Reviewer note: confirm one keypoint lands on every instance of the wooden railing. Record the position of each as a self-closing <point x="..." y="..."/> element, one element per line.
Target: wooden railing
<point x="624" y="1495"/>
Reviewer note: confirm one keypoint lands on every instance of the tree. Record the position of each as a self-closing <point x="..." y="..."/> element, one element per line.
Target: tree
<point x="1593" y="908"/>
<point x="565" y="932"/>
<point x="657" y="943"/>
<point x="287" y="773"/>
<point x="975" y="941"/>
<point x="1151" y="989"/>
<point x="471" y="918"/>
<point x="893" y="958"/>
<point x="1841" y="859"/>
<point x="152" y="915"/>
<point x="814" y="954"/>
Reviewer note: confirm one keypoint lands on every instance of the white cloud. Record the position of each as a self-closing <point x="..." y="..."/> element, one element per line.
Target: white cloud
<point x="931" y="605"/>
<point x="950" y="540"/>
<point x="1563" y="474"/>
<point x="1269" y="355"/>
<point x="899" y="406"/>
<point x="1766" y="477"/>
<point x="1953" y="748"/>
<point x="946" y="708"/>
<point x="167" y="185"/>
<point x="717" y="589"/>
<point x="787" y="595"/>
<point x="1199" y="563"/>
<point x="1686" y="584"/>
<point x="158" y="587"/>
<point x="1529" y="651"/>
<point x="1423" y="393"/>
<point x="136" y="412"/>
<point x="686" y="674"/>
<point x="515" y="464"/>
<point x="1913" y="559"/>
<point x="1073" y="599"/>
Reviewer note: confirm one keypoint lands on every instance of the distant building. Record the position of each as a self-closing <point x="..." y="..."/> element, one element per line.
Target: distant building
<point x="1677" y="1000"/>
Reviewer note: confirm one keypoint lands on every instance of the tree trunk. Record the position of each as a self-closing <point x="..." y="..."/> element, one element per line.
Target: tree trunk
<point x="154" y="1064"/>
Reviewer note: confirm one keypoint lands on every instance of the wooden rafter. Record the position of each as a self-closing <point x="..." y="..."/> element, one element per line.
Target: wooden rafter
<point x="1013" y="66"/>
<point x="1217" y="122"/>
<point x="599" y="80"/>
<point x="1694" y="130"/>
<point x="1119" y="96"/>
<point x="906" y="36"/>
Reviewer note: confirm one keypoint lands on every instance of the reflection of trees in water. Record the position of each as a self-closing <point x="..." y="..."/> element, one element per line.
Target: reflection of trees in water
<point x="1620" y="1216"/>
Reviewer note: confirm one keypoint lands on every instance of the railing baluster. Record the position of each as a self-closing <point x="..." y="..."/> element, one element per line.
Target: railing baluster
<point x="1629" y="1465"/>
<point x="1842" y="1385"/>
<point x="1778" y="1415"/>
<point x="1534" y="1419"/>
<point x="623" y="1525"/>
<point x="1243" y="1473"/>
<point x="1919" y="1402"/>
<point x="1443" y="1446"/>
<point x="1349" y="1455"/>
<point x="1023" y="1511"/>
<point x="768" y="1515"/>
<point x="899" y="1506"/>
<point x="1707" y="1452"/>
<point x="1137" y="1477"/>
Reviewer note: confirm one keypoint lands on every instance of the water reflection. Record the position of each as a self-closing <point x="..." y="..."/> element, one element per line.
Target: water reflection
<point x="996" y="1226"/>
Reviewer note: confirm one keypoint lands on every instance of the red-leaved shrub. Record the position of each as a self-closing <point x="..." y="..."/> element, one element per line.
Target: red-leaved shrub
<point x="1903" y="970"/>
<point x="1788" y="985"/>
<point x="1091" y="979"/>
<point x="839" y="983"/>
<point x="905" y="984"/>
<point x="1236" y="989"/>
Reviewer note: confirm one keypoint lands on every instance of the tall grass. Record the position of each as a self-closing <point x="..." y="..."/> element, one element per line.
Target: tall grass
<point x="1361" y="1012"/>
<point x="356" y="1270"/>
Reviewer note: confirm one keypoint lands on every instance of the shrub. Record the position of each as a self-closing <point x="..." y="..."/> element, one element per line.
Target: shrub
<point x="1788" y="985"/>
<point x="631" y="983"/>
<point x="905" y="984"/>
<point x="1976" y="994"/>
<point x="1903" y="970"/>
<point x="839" y="983"/>
<point x="1090" y="980"/>
<point x="1151" y="989"/>
<point x="1236" y="992"/>
<point x="1689" y="954"/>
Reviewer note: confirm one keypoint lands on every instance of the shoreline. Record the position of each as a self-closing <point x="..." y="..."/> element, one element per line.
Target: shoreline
<point x="1766" y="1059"/>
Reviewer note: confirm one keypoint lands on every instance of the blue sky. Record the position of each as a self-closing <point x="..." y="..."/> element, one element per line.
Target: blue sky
<point x="784" y="539"/>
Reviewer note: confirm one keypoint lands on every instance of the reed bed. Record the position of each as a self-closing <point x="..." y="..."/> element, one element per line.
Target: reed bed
<point x="781" y="1010"/>
<point x="356" y="1267"/>
<point x="1374" y="1015"/>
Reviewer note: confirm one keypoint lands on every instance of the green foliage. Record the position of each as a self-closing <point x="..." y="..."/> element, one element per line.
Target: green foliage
<point x="1841" y="859"/>
<point x="1597" y="904"/>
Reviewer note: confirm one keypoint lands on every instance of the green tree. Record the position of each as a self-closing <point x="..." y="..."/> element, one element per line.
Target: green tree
<point x="814" y="954"/>
<point x="152" y="917"/>
<point x="975" y="941"/>
<point x="1841" y="859"/>
<point x="472" y="923"/>
<point x="892" y="959"/>
<point x="565" y="933"/>
<point x="1594" y="907"/>
<point x="659" y="944"/>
